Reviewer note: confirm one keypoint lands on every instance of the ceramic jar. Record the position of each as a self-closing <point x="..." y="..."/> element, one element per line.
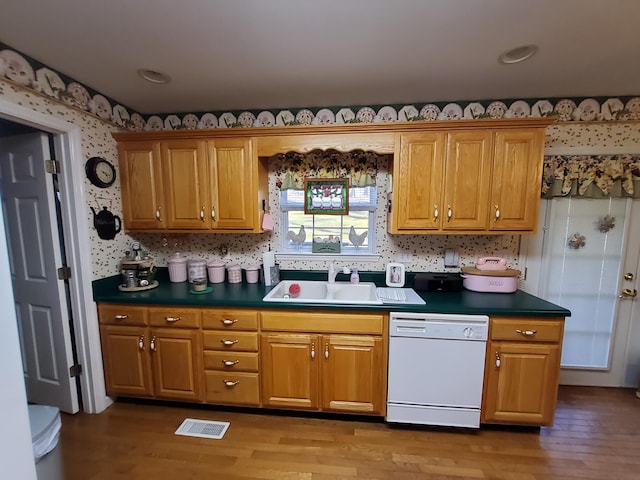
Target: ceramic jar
<point x="234" y="274"/>
<point x="177" y="268"/>
<point x="252" y="273"/>
<point x="215" y="269"/>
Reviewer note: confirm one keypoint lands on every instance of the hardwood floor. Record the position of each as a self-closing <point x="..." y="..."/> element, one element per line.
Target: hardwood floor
<point x="596" y="436"/>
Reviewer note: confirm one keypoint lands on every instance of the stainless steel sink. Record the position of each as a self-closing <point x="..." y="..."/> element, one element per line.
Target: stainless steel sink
<point x="324" y="292"/>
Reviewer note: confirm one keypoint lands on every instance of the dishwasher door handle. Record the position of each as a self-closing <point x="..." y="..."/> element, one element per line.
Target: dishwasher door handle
<point x="405" y="329"/>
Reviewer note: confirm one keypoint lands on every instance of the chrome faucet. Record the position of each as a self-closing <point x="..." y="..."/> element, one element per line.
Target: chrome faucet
<point x="333" y="271"/>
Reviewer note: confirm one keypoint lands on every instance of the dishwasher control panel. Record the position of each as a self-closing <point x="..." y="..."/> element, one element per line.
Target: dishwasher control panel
<point x="454" y="327"/>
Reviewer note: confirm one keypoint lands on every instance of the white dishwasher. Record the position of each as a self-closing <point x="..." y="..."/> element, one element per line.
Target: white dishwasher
<point x="436" y="368"/>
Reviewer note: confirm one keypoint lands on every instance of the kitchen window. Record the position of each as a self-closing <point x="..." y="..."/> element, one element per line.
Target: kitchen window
<point x="299" y="230"/>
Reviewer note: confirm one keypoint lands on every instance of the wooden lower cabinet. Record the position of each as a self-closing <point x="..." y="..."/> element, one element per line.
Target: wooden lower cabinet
<point x="231" y="358"/>
<point x="353" y="374"/>
<point x="331" y="372"/>
<point x="522" y="371"/>
<point x="144" y="361"/>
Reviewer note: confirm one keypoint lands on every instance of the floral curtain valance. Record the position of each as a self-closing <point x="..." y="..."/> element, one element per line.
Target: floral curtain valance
<point x="591" y="176"/>
<point x="359" y="166"/>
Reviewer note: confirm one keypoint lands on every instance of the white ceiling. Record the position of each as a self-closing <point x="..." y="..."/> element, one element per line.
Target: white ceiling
<point x="260" y="54"/>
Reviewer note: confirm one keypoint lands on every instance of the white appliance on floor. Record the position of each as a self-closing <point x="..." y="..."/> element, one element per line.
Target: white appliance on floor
<point x="436" y="368"/>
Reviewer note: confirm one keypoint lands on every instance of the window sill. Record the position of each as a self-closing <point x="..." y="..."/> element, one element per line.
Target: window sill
<point x="368" y="258"/>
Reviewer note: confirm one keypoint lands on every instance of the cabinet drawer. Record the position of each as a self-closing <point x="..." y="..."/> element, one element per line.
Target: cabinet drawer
<point x="214" y="340"/>
<point x="526" y="329"/>
<point x="180" y="317"/>
<point x="326" y="322"/>
<point x="231" y="361"/>
<point x="220" y="319"/>
<point x="111" y="314"/>
<point x="235" y="388"/>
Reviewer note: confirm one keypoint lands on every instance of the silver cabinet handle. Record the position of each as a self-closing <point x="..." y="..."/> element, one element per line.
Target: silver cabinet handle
<point x="449" y="213"/>
<point x="497" y="212"/>
<point x="172" y="319"/>
<point x="436" y="212"/>
<point x="526" y="333"/>
<point x="313" y="351"/>
<point x="230" y="383"/>
<point x="121" y="317"/>
<point x="227" y="322"/>
<point x="228" y="343"/>
<point x="158" y="214"/>
<point x="141" y="343"/>
<point x="152" y="344"/>
<point x="230" y="363"/>
<point x="213" y="213"/>
<point x="326" y="350"/>
<point x="497" y="360"/>
<point x="202" y="214"/>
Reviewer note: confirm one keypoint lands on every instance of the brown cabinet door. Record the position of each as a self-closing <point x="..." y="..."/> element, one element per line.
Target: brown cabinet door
<point x="143" y="204"/>
<point x="417" y="188"/>
<point x="177" y="363"/>
<point x="126" y="360"/>
<point x="521" y="383"/>
<point x="517" y="177"/>
<point x="290" y="370"/>
<point x="467" y="180"/>
<point x="232" y="168"/>
<point x="352" y="374"/>
<point x="184" y="164"/>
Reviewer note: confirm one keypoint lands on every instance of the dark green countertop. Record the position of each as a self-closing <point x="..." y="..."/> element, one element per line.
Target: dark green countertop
<point x="250" y="296"/>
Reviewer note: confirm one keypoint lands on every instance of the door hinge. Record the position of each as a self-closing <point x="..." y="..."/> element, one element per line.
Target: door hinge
<point x="64" y="273"/>
<point x="75" y="370"/>
<point x="52" y="166"/>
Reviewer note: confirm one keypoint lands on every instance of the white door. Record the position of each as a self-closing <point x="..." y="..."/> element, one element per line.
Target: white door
<point x="588" y="263"/>
<point x="35" y="255"/>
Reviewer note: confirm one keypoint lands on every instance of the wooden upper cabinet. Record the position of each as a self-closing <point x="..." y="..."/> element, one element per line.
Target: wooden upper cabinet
<point x="517" y="178"/>
<point x="188" y="199"/>
<point x="233" y="177"/>
<point x="193" y="185"/>
<point x="467" y="180"/>
<point x="417" y="184"/>
<point x="441" y="182"/>
<point x="143" y="203"/>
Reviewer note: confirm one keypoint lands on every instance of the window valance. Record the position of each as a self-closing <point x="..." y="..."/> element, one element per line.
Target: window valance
<point x="361" y="167"/>
<point x="591" y="176"/>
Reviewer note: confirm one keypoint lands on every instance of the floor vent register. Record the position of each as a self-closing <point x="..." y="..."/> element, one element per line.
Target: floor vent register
<point x="202" y="428"/>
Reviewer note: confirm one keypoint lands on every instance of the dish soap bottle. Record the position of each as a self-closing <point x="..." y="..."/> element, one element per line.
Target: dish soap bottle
<point x="355" y="276"/>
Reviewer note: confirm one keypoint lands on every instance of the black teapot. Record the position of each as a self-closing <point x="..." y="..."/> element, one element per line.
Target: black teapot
<point x="107" y="224"/>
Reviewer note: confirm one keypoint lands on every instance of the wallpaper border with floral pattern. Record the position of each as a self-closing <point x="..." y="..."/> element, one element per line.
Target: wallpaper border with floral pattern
<point x="31" y="74"/>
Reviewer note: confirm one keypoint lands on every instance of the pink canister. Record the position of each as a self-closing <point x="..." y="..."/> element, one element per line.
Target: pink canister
<point x="234" y="273"/>
<point x="177" y="268"/>
<point x="252" y="273"/>
<point x="215" y="269"/>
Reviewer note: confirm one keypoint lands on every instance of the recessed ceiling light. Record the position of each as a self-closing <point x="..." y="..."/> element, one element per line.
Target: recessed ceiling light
<point x="153" y="76"/>
<point x="518" y="54"/>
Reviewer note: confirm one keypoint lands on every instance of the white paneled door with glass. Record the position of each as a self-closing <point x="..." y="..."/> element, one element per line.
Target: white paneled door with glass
<point x="586" y="259"/>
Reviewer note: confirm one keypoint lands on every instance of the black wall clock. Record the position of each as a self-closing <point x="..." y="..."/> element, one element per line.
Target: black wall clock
<point x="100" y="172"/>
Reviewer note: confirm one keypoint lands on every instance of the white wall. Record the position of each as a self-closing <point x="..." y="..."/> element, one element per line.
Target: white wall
<point x="16" y="454"/>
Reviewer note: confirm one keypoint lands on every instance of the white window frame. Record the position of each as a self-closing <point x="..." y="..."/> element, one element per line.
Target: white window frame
<point x="286" y="247"/>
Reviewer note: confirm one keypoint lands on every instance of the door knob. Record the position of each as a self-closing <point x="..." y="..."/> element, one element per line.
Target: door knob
<point x="628" y="277"/>
<point x="627" y="292"/>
